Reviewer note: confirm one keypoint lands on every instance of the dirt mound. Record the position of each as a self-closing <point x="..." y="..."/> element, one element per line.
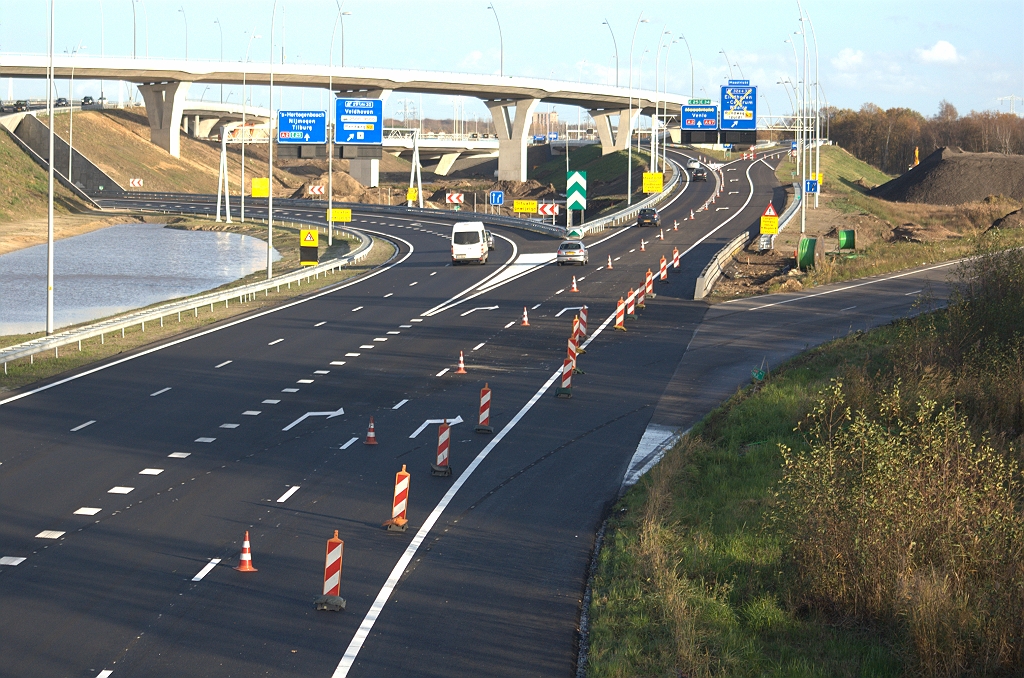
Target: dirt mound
<point x="346" y="189"/>
<point x="950" y="176"/>
<point x="526" y="189"/>
<point x="1011" y="220"/>
<point x="911" y="232"/>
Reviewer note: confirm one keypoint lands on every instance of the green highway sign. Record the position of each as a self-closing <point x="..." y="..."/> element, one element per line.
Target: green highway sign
<point x="576" y="190"/>
<point x="700" y="102"/>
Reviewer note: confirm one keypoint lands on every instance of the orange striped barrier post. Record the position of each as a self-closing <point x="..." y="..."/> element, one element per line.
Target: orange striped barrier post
<point x="583" y="321"/>
<point x="245" y="559"/>
<point x="400" y="505"/>
<point x="444" y="441"/>
<point x="572" y="353"/>
<point x="649" y="284"/>
<point x="663" y="275"/>
<point x="675" y="257"/>
<point x="484" y="422"/>
<point x="620" y="316"/>
<point x="631" y="305"/>
<point x="462" y="364"/>
<point x="565" y="390"/>
<point x="371" y="435"/>
<point x="575" y="335"/>
<point x="641" y="298"/>
<point x="331" y="599"/>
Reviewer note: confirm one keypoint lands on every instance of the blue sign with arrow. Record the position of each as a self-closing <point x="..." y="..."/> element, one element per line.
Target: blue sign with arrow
<point x="302" y="127"/>
<point x="811" y="186"/>
<point x="497" y="197"/>
<point x="739" y="108"/>
<point x="700" y="117"/>
<point x="359" y="121"/>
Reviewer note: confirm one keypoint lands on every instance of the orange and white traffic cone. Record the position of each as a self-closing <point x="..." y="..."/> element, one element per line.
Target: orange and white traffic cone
<point x="462" y="364"/>
<point x="620" y="315"/>
<point x="484" y="422"/>
<point x="691" y="215"/>
<point x="609" y="262"/>
<point x="574" y="288"/>
<point x="675" y="257"/>
<point x="675" y="223"/>
<point x="399" y="507"/>
<point x="642" y="245"/>
<point x="661" y="234"/>
<point x="526" y="319"/>
<point x="245" y="559"/>
<point x="331" y="599"/>
<point x="663" y="274"/>
<point x="565" y="390"/>
<point x="444" y="441"/>
<point x="371" y="435"/>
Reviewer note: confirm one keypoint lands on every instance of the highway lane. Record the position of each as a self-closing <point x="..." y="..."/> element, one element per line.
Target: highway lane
<point x="234" y="481"/>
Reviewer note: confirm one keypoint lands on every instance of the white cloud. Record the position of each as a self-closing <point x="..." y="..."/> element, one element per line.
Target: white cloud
<point x="848" y="59"/>
<point x="941" y="52"/>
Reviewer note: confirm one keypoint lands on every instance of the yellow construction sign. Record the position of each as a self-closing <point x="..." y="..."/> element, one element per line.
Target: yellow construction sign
<point x="260" y="187"/>
<point x="770" y="220"/>
<point x="654" y="182"/>
<point x="309" y="247"/>
<point x="524" y="206"/>
<point x="412" y="194"/>
<point x="309" y="238"/>
<point x="338" y="214"/>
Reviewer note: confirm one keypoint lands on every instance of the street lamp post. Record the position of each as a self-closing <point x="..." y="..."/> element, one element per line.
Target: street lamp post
<point x="727" y="62"/>
<point x="71" y="112"/>
<point x="343" y="15"/>
<point x="501" y="42"/>
<point x="657" y="101"/>
<point x="629" y="119"/>
<point x="270" y="156"/>
<point x="664" y="90"/>
<point x="339" y="19"/>
<point x="221" y="27"/>
<point x="49" y="207"/>
<point x="817" y="112"/>
<point x="616" y="45"/>
<point x="244" y="132"/>
<point x="691" y="62"/>
<point x="183" y="16"/>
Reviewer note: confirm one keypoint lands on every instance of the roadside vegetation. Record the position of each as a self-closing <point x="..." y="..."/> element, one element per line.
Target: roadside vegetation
<point x="858" y="513"/>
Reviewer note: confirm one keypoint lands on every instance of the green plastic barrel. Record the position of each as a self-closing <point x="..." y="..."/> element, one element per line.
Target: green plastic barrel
<point x="805" y="253"/>
<point x="847" y="240"/>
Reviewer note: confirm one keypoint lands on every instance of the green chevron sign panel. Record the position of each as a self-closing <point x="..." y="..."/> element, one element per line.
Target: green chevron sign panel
<point x="576" y="190"/>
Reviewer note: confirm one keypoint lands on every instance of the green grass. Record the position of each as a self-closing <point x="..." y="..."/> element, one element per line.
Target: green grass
<point x="599" y="168"/>
<point x="23" y="186"/>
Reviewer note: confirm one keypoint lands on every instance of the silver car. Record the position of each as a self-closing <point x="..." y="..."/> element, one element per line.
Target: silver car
<point x="572" y="252"/>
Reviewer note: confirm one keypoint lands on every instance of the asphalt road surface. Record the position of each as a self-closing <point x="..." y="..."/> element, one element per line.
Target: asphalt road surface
<point x="120" y="486"/>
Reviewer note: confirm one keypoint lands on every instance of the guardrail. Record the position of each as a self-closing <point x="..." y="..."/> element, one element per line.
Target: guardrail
<point x="630" y="212"/>
<point x="53" y="342"/>
<point x="713" y="271"/>
<point x="790" y="211"/>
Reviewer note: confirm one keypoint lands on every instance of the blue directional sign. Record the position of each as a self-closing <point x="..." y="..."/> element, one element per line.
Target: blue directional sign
<point x="539" y="138"/>
<point x="811" y="186"/>
<point x="359" y="121"/>
<point x="553" y="136"/>
<point x="497" y="197"/>
<point x="700" y="117"/>
<point x="739" y="83"/>
<point x="792" y="145"/>
<point x="302" y="127"/>
<point x="739" y="107"/>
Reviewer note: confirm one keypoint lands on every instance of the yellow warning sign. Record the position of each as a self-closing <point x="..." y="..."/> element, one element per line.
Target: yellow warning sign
<point x="260" y="187"/>
<point x="524" y="206"/>
<point x="654" y="182"/>
<point x="412" y="194"/>
<point x="309" y="238"/>
<point x="338" y="214"/>
<point x="769" y="225"/>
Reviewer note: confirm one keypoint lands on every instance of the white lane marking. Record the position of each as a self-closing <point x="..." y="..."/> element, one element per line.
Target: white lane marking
<point x="847" y="308"/>
<point x="271" y="402"/>
<point x="568" y="308"/>
<point x="617" y="258"/>
<point x="322" y="322"/>
<point x="330" y="415"/>
<point x="352" y="355"/>
<point x="120" y="490"/>
<point x="405" y="327"/>
<point x="13" y="561"/>
<point x="504" y="273"/>
<point x="733" y="179"/>
<point x="393" y="332"/>
<point x="337" y="363"/>
<point x="357" y="308"/>
<point x="284" y="497"/>
<point x="914" y="292"/>
<point x="289" y="390"/>
<point x="480" y="308"/>
<point x="631" y="251"/>
<point x="229" y="425"/>
<point x="163" y="390"/>
<point x="560" y="291"/>
<point x="50" y="534"/>
<point x="321" y="371"/>
<point x="251" y="413"/>
<point x="304" y="381"/>
<point x="275" y="341"/>
<point x="106" y="673"/>
<point x="478" y="346"/>
<point x="389" y="294"/>
<point x="87" y="511"/>
<point x="434" y="273"/>
<point x="206" y="569"/>
<point x="428" y="422"/>
<point x="414" y="283"/>
<point x="81" y="426"/>
<point x="349" y="658"/>
<point x="535" y="307"/>
<point x="349" y="443"/>
<point x="600" y="268"/>
<point x="365" y="346"/>
<point x="205" y="440"/>
<point x="416" y="320"/>
<point x="734" y="215"/>
<point x="400" y="403"/>
<point x="178" y="455"/>
<point x="734" y="192"/>
<point x="719" y="209"/>
<point x="510" y="324"/>
<point x="226" y="362"/>
<point x="442" y="372"/>
<point x="380" y="338"/>
<point x="151" y="471"/>
<point x="582" y="278"/>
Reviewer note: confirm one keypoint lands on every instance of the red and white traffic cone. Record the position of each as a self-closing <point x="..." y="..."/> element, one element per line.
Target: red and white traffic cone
<point x="641" y="297"/>
<point x="631" y="304"/>
<point x="691" y="215"/>
<point x="526" y="319"/>
<point x="399" y="507"/>
<point x="675" y="222"/>
<point x="574" y="288"/>
<point x="444" y="439"/>
<point x="620" y="315"/>
<point x="675" y="257"/>
<point x="331" y="599"/>
<point x="661" y="234"/>
<point x="642" y="245"/>
<point x="484" y="422"/>
<point x="609" y="262"/>
<point x="663" y="275"/>
<point x="462" y="364"/>
<point x="649" y="284"/>
<point x="583" y="321"/>
<point x="245" y="559"/>
<point x="565" y="390"/>
<point x="371" y="435"/>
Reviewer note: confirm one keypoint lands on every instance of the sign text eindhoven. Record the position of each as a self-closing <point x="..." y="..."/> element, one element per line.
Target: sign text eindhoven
<point x="302" y="127"/>
<point x="739" y="106"/>
<point x="359" y="121"/>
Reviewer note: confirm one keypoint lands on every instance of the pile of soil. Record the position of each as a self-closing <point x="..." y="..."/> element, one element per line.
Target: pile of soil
<point x="950" y="176"/>
<point x="1014" y="219"/>
<point x="911" y="232"/>
<point x="346" y="189"/>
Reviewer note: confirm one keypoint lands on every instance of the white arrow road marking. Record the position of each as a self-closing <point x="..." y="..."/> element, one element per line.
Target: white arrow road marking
<point x="428" y="422"/>
<point x="568" y="308"/>
<point x="330" y="415"/>
<point x="480" y="308"/>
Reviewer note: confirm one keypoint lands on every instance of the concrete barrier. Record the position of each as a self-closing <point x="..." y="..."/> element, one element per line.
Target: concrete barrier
<point x="713" y="271"/>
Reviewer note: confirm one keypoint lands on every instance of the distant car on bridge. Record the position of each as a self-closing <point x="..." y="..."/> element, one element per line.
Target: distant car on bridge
<point x="61" y="103"/>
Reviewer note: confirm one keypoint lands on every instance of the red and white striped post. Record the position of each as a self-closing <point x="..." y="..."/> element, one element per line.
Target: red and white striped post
<point x="640" y="298"/>
<point x="583" y="321"/>
<point x="484" y="423"/>
<point x="565" y="390"/>
<point x="571" y="354"/>
<point x="400" y="505"/>
<point x="331" y="598"/>
<point x="663" y="275"/>
<point x="649" y="284"/>
<point x="444" y="440"/>
<point x="631" y="305"/>
<point x="620" y="316"/>
<point x="675" y="257"/>
<point x="576" y="336"/>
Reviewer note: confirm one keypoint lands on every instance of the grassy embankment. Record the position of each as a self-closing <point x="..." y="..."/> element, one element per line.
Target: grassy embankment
<point x="23" y="187"/>
<point x="606" y="176"/>
<point x="857" y="514"/>
<point x="937" y="232"/>
<point x="43" y="366"/>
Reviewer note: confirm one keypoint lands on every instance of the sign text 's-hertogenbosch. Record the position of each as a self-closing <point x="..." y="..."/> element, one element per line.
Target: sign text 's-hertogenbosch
<point x="359" y="121"/>
<point x="302" y="127"/>
<point x="739" y="108"/>
<point x="700" y="117"/>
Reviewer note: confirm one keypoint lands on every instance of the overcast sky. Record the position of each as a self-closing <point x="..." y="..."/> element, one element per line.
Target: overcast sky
<point x="911" y="53"/>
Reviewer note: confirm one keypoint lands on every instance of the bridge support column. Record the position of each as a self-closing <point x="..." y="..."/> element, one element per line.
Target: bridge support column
<point x="164" y="104"/>
<point x="617" y="142"/>
<point x="512" y="134"/>
<point x="444" y="166"/>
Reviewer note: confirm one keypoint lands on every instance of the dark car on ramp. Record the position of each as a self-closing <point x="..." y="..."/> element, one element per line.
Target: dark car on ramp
<point x="699" y="174"/>
<point x="648" y="217"/>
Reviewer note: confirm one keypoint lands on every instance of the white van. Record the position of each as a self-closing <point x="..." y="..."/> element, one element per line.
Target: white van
<point x="469" y="242"/>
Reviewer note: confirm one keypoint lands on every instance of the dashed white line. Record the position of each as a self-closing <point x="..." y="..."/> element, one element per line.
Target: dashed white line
<point x="321" y="371"/>
<point x="389" y="294"/>
<point x="205" y="440"/>
<point x="289" y="390"/>
<point x="284" y="497"/>
<point x="81" y="426"/>
<point x="847" y="308"/>
<point x="914" y="292"/>
<point x="349" y="443"/>
<point x="352" y="355"/>
<point x="275" y="341"/>
<point x="226" y="362"/>
<point x="151" y="471"/>
<point x="365" y="346"/>
<point x="406" y="327"/>
<point x="400" y="403"/>
<point x="380" y="338"/>
<point x="416" y="320"/>
<point x="434" y="273"/>
<point x="479" y="346"/>
<point x="50" y="534"/>
<point x="163" y="390"/>
<point x="106" y="673"/>
<point x="560" y="291"/>
<point x="322" y="322"/>
<point x="178" y="455"/>
<point x="87" y="511"/>
<point x="617" y="258"/>
<point x="304" y="381"/>
<point x="394" y="332"/>
<point x="13" y="561"/>
<point x="413" y="284"/>
<point x="337" y="363"/>
<point x="251" y="413"/>
<point x="631" y="251"/>
<point x="271" y="402"/>
<point x="120" y="490"/>
<point x="206" y="570"/>
<point x="229" y="425"/>
<point x="510" y="324"/>
<point x="442" y="372"/>
<point x="535" y="307"/>
<point x="357" y="308"/>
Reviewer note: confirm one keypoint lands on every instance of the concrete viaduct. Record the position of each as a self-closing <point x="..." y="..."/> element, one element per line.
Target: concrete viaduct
<point x="511" y="100"/>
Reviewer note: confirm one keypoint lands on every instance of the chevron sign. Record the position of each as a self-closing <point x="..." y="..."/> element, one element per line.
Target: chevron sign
<point x="576" y="190"/>
<point x="134" y="183"/>
<point x="316" y="190"/>
<point x="547" y="209"/>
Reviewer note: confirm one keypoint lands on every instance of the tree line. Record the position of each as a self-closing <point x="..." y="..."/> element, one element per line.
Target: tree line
<point x="887" y="138"/>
